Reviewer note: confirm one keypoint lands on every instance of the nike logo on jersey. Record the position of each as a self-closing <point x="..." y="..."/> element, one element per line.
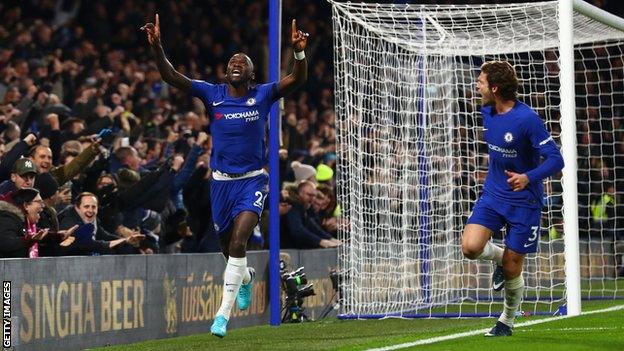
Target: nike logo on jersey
<point x="484" y="129"/>
<point x="529" y="244"/>
<point x="214" y="103"/>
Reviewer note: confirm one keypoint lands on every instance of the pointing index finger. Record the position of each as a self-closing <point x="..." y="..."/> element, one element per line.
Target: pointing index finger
<point x="293" y="27"/>
<point x="157" y="21"/>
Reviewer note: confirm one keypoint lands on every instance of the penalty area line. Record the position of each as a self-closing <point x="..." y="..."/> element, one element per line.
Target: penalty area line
<point x="482" y="331"/>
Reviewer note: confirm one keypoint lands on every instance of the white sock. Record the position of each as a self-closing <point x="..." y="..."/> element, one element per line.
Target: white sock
<point x="492" y="252"/>
<point x="514" y="290"/>
<point x="232" y="279"/>
<point x="246" y="276"/>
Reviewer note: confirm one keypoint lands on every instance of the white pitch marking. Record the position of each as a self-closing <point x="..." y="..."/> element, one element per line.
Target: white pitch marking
<point x="569" y="329"/>
<point x="481" y="331"/>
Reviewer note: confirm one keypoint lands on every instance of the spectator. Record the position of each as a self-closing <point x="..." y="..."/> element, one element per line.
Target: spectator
<point x="17" y="151"/>
<point x="23" y="176"/>
<point x="18" y="224"/>
<point x="327" y="209"/>
<point x="300" y="231"/>
<point x="324" y="173"/>
<point x="603" y="211"/>
<point x="196" y="194"/>
<point x="128" y="157"/>
<point x="94" y="238"/>
<point x="42" y="157"/>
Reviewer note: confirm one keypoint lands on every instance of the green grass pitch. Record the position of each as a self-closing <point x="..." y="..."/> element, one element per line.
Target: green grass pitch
<point x="601" y="331"/>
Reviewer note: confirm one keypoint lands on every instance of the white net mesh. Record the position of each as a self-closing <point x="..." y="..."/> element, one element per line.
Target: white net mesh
<point x="412" y="161"/>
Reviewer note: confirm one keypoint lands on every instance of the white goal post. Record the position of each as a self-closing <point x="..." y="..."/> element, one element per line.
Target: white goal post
<point x="411" y="157"/>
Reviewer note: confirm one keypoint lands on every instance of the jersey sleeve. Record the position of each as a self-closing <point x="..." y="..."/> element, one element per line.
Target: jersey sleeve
<point x="203" y="90"/>
<point x="543" y="143"/>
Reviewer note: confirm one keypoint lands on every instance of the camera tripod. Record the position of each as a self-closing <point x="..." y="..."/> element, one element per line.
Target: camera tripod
<point x="331" y="306"/>
<point x="293" y="312"/>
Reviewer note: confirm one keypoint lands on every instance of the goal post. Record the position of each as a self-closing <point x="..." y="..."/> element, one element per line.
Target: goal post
<point x="411" y="157"/>
<point x="568" y="148"/>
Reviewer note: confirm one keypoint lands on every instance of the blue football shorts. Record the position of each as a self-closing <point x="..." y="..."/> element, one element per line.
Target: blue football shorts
<point x="523" y="223"/>
<point x="231" y="197"/>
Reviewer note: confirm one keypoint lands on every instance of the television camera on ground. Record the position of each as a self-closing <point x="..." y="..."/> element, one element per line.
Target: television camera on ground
<point x="295" y="285"/>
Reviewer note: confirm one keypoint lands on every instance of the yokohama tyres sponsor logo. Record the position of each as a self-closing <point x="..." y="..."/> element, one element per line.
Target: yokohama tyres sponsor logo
<point x="247" y="115"/>
<point x="506" y="152"/>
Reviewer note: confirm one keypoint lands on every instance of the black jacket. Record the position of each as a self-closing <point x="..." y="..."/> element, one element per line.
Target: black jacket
<point x="299" y="229"/>
<point x="67" y="219"/>
<point x="6" y="165"/>
<point x="12" y="230"/>
<point x="198" y="203"/>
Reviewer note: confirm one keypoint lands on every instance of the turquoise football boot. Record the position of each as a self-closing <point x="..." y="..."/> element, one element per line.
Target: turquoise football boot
<point x="219" y="326"/>
<point x="243" y="298"/>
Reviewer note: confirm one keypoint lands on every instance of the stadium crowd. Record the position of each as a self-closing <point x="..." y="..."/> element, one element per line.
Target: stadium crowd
<point x="118" y="160"/>
<point x="99" y="156"/>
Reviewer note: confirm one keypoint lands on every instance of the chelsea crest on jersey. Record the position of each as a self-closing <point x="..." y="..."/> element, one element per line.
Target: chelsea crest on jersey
<point x="237" y="125"/>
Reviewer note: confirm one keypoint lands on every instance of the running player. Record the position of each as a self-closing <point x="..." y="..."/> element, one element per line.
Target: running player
<point x="513" y="190"/>
<point x="238" y="111"/>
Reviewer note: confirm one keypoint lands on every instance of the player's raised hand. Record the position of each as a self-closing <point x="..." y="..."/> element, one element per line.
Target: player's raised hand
<point x="517" y="181"/>
<point x="153" y="31"/>
<point x="298" y="38"/>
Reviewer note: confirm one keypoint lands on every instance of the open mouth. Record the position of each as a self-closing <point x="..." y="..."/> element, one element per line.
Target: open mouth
<point x="236" y="73"/>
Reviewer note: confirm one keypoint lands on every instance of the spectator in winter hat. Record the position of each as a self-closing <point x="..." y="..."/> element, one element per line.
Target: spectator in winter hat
<point x="324" y="173"/>
<point x="303" y="171"/>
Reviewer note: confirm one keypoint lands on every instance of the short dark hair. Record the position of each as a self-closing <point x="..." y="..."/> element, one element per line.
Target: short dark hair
<point x="85" y="194"/>
<point x="24" y="195"/>
<point x="123" y="152"/>
<point x="33" y="150"/>
<point x="502" y="75"/>
<point x="107" y="175"/>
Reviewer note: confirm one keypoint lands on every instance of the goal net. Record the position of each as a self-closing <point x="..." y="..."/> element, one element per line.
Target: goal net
<point x="412" y="160"/>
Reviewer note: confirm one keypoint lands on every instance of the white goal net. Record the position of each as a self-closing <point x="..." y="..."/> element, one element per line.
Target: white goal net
<point x="412" y="161"/>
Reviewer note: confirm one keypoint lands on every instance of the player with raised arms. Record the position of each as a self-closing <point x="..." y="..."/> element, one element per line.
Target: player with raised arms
<point x="512" y="194"/>
<point x="238" y="112"/>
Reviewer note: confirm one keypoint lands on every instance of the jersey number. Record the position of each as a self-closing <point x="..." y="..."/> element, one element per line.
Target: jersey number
<point x="260" y="200"/>
<point x="533" y="236"/>
<point x="534" y="230"/>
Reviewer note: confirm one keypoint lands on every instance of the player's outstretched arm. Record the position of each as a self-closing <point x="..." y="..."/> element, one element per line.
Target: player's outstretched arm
<point x="299" y="73"/>
<point x="168" y="73"/>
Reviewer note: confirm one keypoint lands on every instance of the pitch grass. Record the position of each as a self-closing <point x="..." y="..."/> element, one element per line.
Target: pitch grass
<point x="603" y="331"/>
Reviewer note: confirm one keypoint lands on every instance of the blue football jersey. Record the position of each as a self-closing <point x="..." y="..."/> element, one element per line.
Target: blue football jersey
<point x="237" y="125"/>
<point x="516" y="141"/>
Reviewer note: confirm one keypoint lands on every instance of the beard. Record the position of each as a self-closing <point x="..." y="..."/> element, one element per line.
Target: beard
<point x="487" y="100"/>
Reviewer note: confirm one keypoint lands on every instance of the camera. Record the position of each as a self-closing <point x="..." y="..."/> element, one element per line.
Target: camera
<point x="334" y="304"/>
<point x="295" y="285"/>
